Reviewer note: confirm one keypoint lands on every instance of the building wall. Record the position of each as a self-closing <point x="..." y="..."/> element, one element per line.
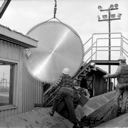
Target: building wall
<point x="99" y="84"/>
<point x="27" y="91"/>
<point x="9" y="51"/>
<point x="31" y="90"/>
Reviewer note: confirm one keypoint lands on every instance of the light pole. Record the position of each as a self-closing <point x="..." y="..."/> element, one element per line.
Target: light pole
<point x="109" y="17"/>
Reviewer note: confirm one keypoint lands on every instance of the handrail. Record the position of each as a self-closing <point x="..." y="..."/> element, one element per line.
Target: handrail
<point x="90" y="56"/>
<point x="49" y="99"/>
<point x="107" y="50"/>
<point x="125" y="38"/>
<point x="98" y="48"/>
<point x="106" y="46"/>
<point x="125" y="54"/>
<point x="107" y="33"/>
<point x="124" y="41"/>
<point x="108" y="38"/>
<point x="82" y="69"/>
<point x="89" y="49"/>
<point x="87" y="41"/>
<point x="125" y="51"/>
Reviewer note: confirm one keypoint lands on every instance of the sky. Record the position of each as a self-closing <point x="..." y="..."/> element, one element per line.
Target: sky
<point x="81" y="15"/>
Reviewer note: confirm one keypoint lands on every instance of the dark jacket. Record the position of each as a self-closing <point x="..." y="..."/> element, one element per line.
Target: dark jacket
<point x="122" y="75"/>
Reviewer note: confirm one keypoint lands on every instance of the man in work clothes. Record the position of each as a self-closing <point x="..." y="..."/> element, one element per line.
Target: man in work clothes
<point x="65" y="98"/>
<point x="119" y="104"/>
<point x="122" y="86"/>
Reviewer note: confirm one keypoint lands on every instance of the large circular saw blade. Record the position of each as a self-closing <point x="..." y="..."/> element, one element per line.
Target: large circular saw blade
<point x="59" y="46"/>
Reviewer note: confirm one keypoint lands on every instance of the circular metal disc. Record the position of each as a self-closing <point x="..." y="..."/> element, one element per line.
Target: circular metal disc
<point x="59" y="46"/>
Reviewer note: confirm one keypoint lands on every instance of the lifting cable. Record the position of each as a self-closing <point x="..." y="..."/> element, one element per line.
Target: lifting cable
<point x="55" y="8"/>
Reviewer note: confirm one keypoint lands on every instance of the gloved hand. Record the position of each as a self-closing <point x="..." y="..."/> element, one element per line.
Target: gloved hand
<point x="105" y="76"/>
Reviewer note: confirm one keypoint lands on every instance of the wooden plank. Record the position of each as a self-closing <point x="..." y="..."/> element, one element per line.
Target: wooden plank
<point x="119" y="122"/>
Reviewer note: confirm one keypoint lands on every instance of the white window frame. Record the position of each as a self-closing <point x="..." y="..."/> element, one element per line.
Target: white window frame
<point x="13" y="83"/>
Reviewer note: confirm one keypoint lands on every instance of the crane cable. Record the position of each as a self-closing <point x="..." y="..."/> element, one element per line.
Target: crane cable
<point x="55" y="8"/>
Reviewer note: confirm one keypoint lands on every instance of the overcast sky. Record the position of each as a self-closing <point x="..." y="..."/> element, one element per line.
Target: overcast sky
<point x="22" y="15"/>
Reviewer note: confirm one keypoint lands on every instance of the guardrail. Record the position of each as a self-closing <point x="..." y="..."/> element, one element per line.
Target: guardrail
<point x="91" y="52"/>
<point x="95" y="47"/>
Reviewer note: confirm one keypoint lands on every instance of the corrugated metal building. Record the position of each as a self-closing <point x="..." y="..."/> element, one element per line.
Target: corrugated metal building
<point x="93" y="80"/>
<point x="23" y="91"/>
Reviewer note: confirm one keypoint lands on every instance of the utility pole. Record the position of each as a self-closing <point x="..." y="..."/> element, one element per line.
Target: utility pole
<point x="109" y="17"/>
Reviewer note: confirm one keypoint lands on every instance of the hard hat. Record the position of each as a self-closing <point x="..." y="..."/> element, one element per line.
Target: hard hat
<point x="92" y="64"/>
<point x="66" y="71"/>
<point x="121" y="58"/>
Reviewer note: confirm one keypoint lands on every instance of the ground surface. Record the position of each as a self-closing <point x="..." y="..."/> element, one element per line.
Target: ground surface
<point x="40" y="118"/>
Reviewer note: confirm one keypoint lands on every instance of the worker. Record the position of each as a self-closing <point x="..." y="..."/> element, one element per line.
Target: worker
<point x="83" y="94"/>
<point x="64" y="98"/>
<point x="83" y="84"/>
<point x="122" y="86"/>
<point x="119" y="104"/>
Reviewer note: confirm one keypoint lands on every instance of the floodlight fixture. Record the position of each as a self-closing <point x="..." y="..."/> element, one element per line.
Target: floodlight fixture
<point x="111" y="6"/>
<point x="119" y="15"/>
<point x="100" y="7"/>
<point x="98" y="17"/>
<point x="116" y="6"/>
<point x="113" y="15"/>
<point x="104" y="16"/>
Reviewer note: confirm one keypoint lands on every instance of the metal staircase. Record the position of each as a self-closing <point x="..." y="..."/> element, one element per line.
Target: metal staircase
<point x="95" y="51"/>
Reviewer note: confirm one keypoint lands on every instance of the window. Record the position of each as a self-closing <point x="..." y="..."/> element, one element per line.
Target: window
<point x="6" y="83"/>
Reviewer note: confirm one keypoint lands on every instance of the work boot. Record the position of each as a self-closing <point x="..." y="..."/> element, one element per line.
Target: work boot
<point x="78" y="125"/>
<point x="85" y="121"/>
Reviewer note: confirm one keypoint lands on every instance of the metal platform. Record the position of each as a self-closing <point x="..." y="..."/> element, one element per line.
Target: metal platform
<point x="105" y="62"/>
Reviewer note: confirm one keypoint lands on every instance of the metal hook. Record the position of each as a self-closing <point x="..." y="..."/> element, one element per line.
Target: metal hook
<point x="55" y="8"/>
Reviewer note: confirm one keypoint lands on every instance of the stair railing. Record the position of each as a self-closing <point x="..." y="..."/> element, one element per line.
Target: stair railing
<point x="94" y="48"/>
<point x="124" y="42"/>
